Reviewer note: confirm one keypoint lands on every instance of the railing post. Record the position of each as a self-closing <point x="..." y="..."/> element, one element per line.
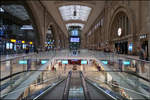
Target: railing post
<point x="11" y="72"/>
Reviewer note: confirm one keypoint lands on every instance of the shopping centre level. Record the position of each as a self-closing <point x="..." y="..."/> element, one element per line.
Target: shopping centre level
<point x="63" y="75"/>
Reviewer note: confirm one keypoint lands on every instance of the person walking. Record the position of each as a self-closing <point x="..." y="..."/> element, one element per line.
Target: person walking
<point x="142" y="56"/>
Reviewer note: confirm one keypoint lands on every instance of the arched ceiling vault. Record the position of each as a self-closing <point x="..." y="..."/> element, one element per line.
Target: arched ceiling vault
<point x="53" y="8"/>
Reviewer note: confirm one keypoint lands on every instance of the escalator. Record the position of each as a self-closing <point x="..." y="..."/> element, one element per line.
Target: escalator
<point x="76" y="90"/>
<point x="55" y="94"/>
<point x="95" y="93"/>
<point x="75" y="87"/>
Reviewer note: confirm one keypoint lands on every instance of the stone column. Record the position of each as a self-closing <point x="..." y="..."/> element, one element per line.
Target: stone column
<point x="149" y="30"/>
<point x="148" y="26"/>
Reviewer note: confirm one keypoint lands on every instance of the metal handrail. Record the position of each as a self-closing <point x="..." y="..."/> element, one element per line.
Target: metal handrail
<point x="48" y="88"/>
<point x="109" y="97"/>
<point x="16" y="57"/>
<point x="67" y="86"/>
<point x="128" y="57"/>
<point x="86" y="92"/>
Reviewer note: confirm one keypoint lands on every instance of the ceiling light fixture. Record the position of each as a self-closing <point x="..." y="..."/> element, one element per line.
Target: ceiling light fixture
<point x="74" y="24"/>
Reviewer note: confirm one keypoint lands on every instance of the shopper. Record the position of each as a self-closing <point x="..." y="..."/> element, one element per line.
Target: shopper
<point x="27" y="50"/>
<point x="142" y="56"/>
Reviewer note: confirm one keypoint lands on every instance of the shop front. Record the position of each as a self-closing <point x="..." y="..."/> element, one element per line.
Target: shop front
<point x="144" y="44"/>
<point x="121" y="47"/>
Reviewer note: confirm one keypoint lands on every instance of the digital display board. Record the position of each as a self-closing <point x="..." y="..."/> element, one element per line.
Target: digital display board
<point x="64" y="61"/>
<point x="84" y="62"/>
<point x="74" y="33"/>
<point x="74" y="39"/>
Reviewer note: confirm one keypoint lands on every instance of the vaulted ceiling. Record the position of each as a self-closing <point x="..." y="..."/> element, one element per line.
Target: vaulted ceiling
<point x="86" y="13"/>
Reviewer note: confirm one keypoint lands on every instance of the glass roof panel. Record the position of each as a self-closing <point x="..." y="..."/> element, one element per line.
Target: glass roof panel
<point x="16" y="10"/>
<point x="82" y="12"/>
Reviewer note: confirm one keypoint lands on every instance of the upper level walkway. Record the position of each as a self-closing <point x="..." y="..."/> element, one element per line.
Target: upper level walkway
<point x="20" y="72"/>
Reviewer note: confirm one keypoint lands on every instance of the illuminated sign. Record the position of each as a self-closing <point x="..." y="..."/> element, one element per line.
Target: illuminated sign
<point x="23" y="41"/>
<point x="30" y="43"/>
<point x="7" y="45"/>
<point x="18" y="41"/>
<point x="143" y="36"/>
<point x="64" y="62"/>
<point x="74" y="33"/>
<point x="84" y="62"/>
<point x="130" y="47"/>
<point x="104" y="62"/>
<point x="13" y="40"/>
<point x="22" y="61"/>
<point x="44" y="61"/>
<point x="10" y="46"/>
<point x="74" y="39"/>
<point x="126" y="62"/>
<point x="24" y="46"/>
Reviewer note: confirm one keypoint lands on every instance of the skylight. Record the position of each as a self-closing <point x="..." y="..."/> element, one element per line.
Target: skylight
<point x="16" y="10"/>
<point x="75" y="12"/>
<point x="75" y="24"/>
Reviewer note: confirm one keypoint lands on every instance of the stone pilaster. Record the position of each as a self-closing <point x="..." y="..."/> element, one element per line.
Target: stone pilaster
<point x="149" y="30"/>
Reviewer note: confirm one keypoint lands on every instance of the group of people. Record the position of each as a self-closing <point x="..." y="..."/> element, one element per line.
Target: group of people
<point x="28" y="50"/>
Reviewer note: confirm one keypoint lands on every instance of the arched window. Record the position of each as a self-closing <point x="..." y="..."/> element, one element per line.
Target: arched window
<point x="120" y="25"/>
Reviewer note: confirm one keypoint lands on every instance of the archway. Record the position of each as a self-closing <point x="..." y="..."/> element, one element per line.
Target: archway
<point x="122" y="30"/>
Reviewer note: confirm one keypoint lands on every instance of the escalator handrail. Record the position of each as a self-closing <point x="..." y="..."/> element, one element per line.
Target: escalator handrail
<point x="48" y="89"/>
<point x="86" y="92"/>
<point x="104" y="92"/>
<point x="67" y="86"/>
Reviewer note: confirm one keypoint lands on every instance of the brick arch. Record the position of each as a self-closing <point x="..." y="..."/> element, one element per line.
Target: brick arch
<point x="128" y="13"/>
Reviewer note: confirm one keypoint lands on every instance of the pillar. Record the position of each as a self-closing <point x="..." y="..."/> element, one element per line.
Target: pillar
<point x="148" y="26"/>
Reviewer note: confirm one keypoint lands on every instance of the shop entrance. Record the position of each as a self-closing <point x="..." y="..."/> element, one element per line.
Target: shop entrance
<point x="122" y="47"/>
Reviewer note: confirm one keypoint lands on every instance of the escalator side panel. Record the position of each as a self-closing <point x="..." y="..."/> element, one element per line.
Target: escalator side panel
<point x="95" y="94"/>
<point x="56" y="93"/>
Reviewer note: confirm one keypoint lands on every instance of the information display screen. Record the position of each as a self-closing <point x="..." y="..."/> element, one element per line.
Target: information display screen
<point x="74" y="39"/>
<point x="74" y="33"/>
